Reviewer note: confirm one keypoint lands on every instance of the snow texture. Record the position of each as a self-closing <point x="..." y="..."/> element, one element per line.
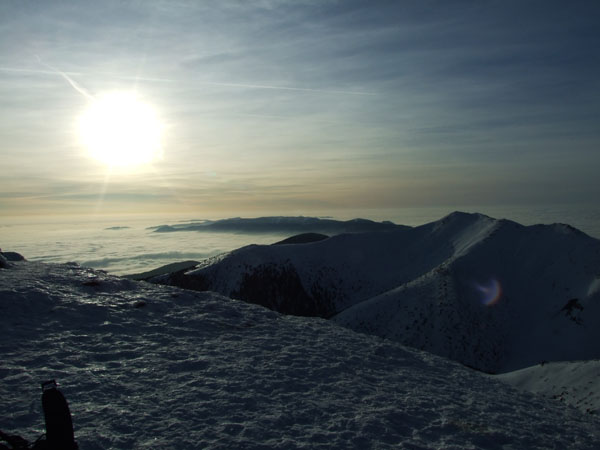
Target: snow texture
<point x="491" y="294"/>
<point x="146" y="366"/>
<point x="576" y="383"/>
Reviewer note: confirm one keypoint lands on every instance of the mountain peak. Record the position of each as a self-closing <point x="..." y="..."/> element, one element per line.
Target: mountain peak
<point x="464" y="216"/>
<point x="468" y="286"/>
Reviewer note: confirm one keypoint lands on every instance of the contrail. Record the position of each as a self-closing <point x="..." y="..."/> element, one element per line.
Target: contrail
<point x="36" y="71"/>
<point x="137" y="78"/>
<point x="286" y="88"/>
<point x="70" y="74"/>
<point x="74" y="85"/>
<point x="54" y="71"/>
<point x="240" y="85"/>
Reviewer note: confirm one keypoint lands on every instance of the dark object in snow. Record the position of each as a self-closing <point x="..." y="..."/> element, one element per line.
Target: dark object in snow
<point x="139" y="304"/>
<point x="93" y="282"/>
<point x="12" y="256"/>
<point x="59" y="426"/>
<point x="15" y="442"/>
<point x="4" y="264"/>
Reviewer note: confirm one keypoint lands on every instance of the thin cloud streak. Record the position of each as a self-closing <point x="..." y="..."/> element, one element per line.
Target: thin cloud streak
<point x="67" y="77"/>
<point x="286" y="88"/>
<point x="413" y="98"/>
<point x="73" y="84"/>
<point x="36" y="71"/>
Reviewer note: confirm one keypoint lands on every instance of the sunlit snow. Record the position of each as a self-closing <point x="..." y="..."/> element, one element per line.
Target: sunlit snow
<point x="147" y="366"/>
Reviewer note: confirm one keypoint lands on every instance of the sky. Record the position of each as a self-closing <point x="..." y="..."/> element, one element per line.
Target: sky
<point x="292" y="107"/>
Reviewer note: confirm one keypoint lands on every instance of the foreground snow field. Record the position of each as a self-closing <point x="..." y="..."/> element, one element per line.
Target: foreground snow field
<point x="146" y="366"/>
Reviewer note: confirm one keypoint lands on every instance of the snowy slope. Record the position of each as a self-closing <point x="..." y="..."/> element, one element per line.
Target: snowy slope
<point x="147" y="366"/>
<point x="492" y="294"/>
<point x="323" y="278"/>
<point x="576" y="383"/>
<point x="510" y="299"/>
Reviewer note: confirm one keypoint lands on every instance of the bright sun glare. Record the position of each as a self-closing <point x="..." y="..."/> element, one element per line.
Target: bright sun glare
<point x="120" y="130"/>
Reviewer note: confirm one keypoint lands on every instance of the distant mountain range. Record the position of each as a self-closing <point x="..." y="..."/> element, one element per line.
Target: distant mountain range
<point x="280" y="224"/>
<point x="491" y="294"/>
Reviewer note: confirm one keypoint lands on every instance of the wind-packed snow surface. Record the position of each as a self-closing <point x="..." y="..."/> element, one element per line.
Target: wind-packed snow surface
<point x="146" y="366"/>
<point x="491" y="294"/>
<point x="575" y="383"/>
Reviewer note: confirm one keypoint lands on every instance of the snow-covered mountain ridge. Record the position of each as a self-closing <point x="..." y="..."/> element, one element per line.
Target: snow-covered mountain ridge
<point x="146" y="366"/>
<point x="492" y="294"/>
<point x="280" y="224"/>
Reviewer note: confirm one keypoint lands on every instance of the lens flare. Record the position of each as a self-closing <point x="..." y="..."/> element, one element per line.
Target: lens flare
<point x="490" y="292"/>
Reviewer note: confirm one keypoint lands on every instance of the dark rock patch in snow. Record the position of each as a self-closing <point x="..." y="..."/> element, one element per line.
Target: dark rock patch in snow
<point x="4" y="264"/>
<point x="166" y="269"/>
<point x="573" y="311"/>
<point x="278" y="287"/>
<point x="12" y="256"/>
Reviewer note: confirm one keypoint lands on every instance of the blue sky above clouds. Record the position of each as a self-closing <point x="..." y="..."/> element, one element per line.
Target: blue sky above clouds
<point x="296" y="107"/>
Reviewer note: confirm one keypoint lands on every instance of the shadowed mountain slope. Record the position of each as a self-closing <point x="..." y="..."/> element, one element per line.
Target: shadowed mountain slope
<point x="492" y="294"/>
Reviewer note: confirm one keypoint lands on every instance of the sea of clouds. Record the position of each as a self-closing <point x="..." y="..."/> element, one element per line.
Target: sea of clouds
<point x="129" y="244"/>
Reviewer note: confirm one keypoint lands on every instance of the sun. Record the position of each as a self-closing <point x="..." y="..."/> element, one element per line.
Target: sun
<point x="120" y="130"/>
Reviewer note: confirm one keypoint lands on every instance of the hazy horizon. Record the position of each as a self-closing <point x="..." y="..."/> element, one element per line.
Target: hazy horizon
<point x="124" y="244"/>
